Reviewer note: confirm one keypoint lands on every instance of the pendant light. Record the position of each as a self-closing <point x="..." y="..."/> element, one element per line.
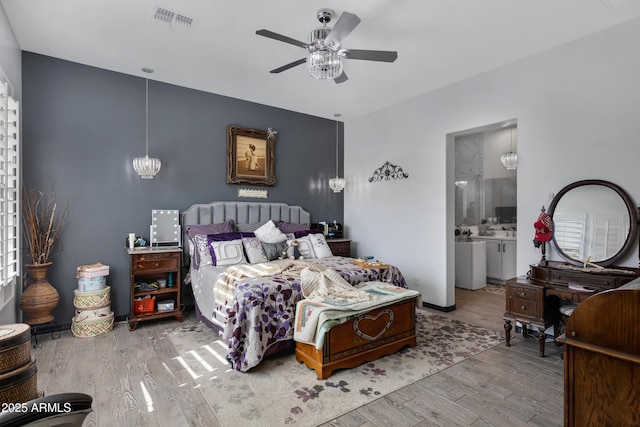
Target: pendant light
<point x="146" y="166"/>
<point x="510" y="159"/>
<point x="337" y="183"/>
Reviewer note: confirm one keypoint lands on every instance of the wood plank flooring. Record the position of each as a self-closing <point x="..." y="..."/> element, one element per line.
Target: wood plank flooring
<point x="126" y="372"/>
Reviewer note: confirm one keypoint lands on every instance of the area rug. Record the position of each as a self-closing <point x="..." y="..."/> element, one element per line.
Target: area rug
<point x="280" y="391"/>
<point x="493" y="289"/>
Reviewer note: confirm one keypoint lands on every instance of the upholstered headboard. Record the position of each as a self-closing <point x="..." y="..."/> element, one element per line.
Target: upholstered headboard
<point x="241" y="213"/>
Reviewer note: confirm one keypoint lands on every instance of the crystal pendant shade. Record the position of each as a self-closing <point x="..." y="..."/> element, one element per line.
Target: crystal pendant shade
<point x="147" y="167"/>
<point x="510" y="160"/>
<point x="336" y="184"/>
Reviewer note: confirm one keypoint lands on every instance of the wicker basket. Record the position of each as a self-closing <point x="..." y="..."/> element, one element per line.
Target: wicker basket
<point x="91" y="299"/>
<point x="92" y="327"/>
<point x="15" y="346"/>
<point x="19" y="386"/>
<point x="92" y="312"/>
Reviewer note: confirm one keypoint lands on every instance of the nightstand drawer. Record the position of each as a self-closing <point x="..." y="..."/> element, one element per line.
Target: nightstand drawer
<point x="153" y="262"/>
<point x="340" y="247"/>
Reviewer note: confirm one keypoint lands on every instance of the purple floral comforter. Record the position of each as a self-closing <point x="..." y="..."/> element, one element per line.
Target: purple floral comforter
<point x="263" y="311"/>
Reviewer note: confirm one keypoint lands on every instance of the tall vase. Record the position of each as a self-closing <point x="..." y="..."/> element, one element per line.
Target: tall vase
<point x="40" y="298"/>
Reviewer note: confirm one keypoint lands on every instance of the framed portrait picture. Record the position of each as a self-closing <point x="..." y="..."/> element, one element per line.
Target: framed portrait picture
<point x="250" y="156"/>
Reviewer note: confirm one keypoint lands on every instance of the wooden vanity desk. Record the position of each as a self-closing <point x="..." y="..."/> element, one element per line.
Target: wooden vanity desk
<point x="535" y="299"/>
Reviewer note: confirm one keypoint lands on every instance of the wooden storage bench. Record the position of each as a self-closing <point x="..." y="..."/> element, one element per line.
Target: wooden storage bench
<point x="369" y="336"/>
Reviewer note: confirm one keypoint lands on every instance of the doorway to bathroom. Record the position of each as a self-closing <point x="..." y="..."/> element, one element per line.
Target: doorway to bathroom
<point x="485" y="205"/>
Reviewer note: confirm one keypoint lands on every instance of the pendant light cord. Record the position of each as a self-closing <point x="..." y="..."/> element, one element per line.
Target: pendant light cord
<point x="337" y="150"/>
<point x="337" y="142"/>
<point x="511" y="149"/>
<point x="147" y="119"/>
<point x="148" y="71"/>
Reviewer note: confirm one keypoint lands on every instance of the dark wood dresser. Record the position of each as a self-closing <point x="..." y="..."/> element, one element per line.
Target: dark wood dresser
<point x="602" y="361"/>
<point x="534" y="300"/>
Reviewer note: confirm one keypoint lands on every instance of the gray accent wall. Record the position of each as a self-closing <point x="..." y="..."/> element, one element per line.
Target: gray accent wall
<point x="82" y="127"/>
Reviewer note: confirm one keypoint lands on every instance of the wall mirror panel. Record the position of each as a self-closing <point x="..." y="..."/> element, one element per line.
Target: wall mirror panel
<point x="593" y="220"/>
<point x="485" y="191"/>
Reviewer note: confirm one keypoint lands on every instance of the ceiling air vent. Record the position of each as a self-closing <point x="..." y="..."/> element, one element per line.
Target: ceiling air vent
<point x="617" y="4"/>
<point x="173" y="20"/>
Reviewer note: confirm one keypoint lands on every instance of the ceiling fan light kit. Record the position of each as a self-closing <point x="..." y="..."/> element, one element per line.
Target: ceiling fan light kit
<point x="325" y="55"/>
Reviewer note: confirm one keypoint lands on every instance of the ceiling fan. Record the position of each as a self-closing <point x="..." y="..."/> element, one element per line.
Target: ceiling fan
<point x="324" y="60"/>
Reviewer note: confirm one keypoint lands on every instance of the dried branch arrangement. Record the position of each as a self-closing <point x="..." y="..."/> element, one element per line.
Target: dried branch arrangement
<point x="42" y="228"/>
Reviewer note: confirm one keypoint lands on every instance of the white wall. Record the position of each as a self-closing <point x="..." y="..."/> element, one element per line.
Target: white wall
<point x="577" y="110"/>
<point x="10" y="55"/>
<point x="11" y="63"/>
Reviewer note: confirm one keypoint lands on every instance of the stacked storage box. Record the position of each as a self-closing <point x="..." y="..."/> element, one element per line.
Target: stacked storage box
<point x="17" y="366"/>
<point x="92" y="300"/>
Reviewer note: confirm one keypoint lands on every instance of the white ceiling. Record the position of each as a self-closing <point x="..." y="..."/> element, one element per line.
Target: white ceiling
<point x="438" y="42"/>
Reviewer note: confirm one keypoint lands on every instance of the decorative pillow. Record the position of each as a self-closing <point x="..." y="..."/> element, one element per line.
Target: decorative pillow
<point x="304" y="246"/>
<point x="200" y="247"/>
<point x="269" y="233"/>
<point x="273" y="250"/>
<point x="290" y="227"/>
<point x="253" y="249"/>
<point x="228" y="252"/>
<point x="250" y="228"/>
<point x="320" y="246"/>
<point x="201" y="253"/>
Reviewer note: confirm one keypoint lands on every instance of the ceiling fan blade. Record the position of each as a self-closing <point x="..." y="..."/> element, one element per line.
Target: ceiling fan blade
<point x="280" y="37"/>
<point x="341" y="78"/>
<point x="291" y="65"/>
<point x="371" y="55"/>
<point x="345" y="24"/>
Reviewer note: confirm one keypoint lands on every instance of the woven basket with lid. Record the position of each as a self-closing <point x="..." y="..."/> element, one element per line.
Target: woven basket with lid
<point x="15" y="346"/>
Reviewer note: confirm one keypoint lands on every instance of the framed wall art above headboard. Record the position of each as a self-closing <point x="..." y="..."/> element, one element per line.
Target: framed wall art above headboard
<point x="250" y="156"/>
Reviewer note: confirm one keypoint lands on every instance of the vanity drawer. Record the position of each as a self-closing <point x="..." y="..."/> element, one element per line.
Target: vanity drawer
<point x="523" y="292"/>
<point x="523" y="309"/>
<point x="584" y="279"/>
<point x="153" y="262"/>
<point x="525" y="302"/>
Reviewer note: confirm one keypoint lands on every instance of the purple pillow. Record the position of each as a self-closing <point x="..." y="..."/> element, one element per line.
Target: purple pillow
<point x="221" y="227"/>
<point x="290" y="227"/>
<point x="193" y="230"/>
<point x="221" y="237"/>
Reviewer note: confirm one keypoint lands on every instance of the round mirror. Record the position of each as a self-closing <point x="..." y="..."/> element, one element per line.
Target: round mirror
<point x="593" y="220"/>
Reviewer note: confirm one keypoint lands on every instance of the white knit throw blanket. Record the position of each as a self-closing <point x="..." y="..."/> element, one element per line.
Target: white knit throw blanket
<point x="317" y="281"/>
<point x="322" y="283"/>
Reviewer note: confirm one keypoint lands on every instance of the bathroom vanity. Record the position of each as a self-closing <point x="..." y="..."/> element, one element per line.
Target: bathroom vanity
<point x="501" y="257"/>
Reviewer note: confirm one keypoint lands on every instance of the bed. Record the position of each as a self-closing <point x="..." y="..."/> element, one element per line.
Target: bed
<point x="256" y="315"/>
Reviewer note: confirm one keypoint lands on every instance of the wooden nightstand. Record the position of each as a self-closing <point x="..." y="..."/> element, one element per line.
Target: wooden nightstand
<point x="149" y="266"/>
<point x="340" y="247"/>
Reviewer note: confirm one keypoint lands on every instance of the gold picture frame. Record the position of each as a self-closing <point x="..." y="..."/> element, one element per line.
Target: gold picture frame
<point x="250" y="156"/>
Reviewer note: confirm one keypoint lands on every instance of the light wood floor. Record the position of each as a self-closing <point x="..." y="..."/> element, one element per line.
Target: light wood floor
<point x="500" y="387"/>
